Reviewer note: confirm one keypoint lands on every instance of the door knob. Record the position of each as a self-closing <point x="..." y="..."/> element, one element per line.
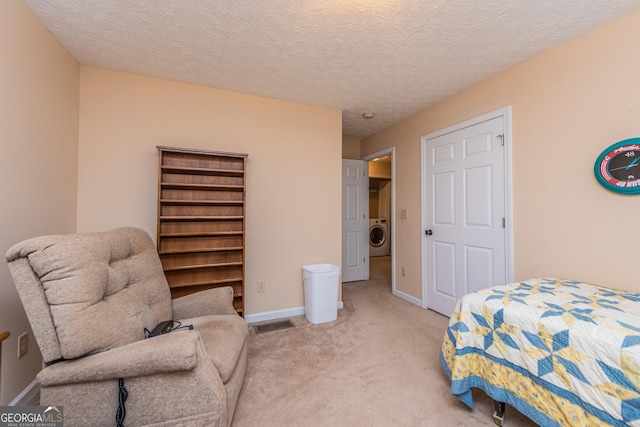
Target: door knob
<point x="428" y="232"/>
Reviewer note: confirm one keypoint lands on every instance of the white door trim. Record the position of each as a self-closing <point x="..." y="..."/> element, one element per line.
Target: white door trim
<point x="388" y="151"/>
<point x="505" y="114"/>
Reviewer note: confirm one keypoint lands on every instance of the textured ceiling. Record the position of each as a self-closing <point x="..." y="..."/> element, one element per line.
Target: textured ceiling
<point x="391" y="57"/>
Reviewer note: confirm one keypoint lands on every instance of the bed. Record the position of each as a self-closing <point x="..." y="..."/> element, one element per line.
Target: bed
<point x="563" y="353"/>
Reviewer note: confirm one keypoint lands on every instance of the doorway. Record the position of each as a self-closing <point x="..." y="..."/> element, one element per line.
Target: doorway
<point x="381" y="209"/>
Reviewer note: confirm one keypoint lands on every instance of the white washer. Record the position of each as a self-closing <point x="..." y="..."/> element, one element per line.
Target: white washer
<point x="378" y="237"/>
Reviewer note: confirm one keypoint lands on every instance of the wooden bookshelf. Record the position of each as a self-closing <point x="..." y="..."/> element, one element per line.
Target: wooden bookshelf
<point x="202" y="220"/>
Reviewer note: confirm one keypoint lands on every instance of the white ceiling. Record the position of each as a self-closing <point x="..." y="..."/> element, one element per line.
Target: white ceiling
<point x="391" y="57"/>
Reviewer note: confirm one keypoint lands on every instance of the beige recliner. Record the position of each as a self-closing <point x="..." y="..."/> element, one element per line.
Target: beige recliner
<point x="89" y="298"/>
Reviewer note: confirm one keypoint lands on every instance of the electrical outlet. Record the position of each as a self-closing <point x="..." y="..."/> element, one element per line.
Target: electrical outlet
<point x="261" y="285"/>
<point x="403" y="271"/>
<point x="23" y="344"/>
<point x="404" y="214"/>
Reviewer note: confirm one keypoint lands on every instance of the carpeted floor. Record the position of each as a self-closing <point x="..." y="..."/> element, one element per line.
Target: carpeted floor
<point x="377" y="365"/>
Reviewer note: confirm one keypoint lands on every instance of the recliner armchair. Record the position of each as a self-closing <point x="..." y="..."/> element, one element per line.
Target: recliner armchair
<point x="89" y="298"/>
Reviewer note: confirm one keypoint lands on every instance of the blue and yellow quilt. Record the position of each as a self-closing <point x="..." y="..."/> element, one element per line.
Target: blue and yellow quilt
<point x="563" y="353"/>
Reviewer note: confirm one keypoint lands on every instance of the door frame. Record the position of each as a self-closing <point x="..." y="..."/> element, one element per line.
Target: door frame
<point x="505" y="114"/>
<point x="392" y="225"/>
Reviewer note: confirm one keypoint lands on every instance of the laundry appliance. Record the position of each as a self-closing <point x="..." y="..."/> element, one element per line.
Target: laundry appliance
<point x="379" y="237"/>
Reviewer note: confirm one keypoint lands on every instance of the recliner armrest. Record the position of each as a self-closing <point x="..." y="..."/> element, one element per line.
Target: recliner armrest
<point x="204" y="303"/>
<point x="176" y="351"/>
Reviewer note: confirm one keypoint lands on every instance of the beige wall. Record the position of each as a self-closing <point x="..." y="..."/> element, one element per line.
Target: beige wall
<point x="351" y="148"/>
<point x="568" y="105"/>
<point x="38" y="164"/>
<point x="293" y="169"/>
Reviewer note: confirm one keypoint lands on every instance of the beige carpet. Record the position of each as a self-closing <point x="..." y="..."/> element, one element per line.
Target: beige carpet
<point x="377" y="365"/>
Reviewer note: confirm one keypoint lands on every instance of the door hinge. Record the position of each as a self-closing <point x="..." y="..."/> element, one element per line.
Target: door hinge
<point x="501" y="136"/>
<point x="504" y="222"/>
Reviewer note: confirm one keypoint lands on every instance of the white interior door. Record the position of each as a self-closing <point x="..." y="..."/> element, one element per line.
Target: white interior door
<point x="355" y="227"/>
<point x="466" y="245"/>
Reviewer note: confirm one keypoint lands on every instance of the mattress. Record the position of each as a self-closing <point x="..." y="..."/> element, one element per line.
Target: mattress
<point x="562" y="352"/>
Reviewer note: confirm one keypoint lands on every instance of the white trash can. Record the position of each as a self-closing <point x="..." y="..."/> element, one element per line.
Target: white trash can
<point x="321" y="286"/>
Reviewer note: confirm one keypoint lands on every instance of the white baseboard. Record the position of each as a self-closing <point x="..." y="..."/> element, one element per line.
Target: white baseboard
<point x="279" y="314"/>
<point x="276" y="314"/>
<point x="407" y="297"/>
<point x="27" y="395"/>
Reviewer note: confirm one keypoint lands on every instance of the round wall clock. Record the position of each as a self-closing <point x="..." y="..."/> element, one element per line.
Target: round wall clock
<point x="618" y="167"/>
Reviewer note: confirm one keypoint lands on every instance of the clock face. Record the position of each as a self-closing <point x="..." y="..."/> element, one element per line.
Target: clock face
<point x="618" y="167"/>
